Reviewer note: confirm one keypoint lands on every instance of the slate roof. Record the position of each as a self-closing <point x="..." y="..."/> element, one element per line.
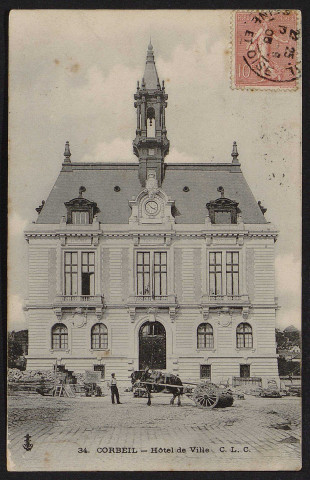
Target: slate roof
<point x="101" y="178"/>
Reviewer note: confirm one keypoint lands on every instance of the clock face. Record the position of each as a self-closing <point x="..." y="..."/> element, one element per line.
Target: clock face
<point x="151" y="207"/>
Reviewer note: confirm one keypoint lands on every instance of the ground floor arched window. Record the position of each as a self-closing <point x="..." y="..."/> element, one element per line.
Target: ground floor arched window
<point x="244" y="336"/>
<point x="205" y="336"/>
<point x="99" y="336"/>
<point x="59" y="336"/>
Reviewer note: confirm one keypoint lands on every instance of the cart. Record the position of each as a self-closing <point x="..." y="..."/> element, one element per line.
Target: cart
<point x="204" y="394"/>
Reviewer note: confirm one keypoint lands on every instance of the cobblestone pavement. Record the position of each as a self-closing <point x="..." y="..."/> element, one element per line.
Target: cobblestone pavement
<point x="255" y="433"/>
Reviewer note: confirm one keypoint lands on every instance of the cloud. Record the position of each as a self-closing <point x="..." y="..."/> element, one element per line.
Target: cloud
<point x="204" y="64"/>
<point x="288" y="274"/>
<point x="287" y="317"/>
<point x="16" y="224"/>
<point x="288" y="288"/>
<point x="175" y="156"/>
<point x="116" y="151"/>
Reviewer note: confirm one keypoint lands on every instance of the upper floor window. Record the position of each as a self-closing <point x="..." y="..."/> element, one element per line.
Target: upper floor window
<point x="71" y="273"/>
<point x="99" y="336"/>
<point x="152" y="274"/>
<point x="244" y="336"/>
<point x="230" y="285"/>
<point x="59" y="336"/>
<point x="88" y="273"/>
<point x="79" y="278"/>
<point x="205" y="336"/>
<point x="215" y="273"/>
<point x="232" y="273"/>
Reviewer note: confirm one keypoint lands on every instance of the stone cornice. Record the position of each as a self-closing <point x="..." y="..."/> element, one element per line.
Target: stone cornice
<point x="217" y="355"/>
<point x="132" y="235"/>
<point x="29" y="305"/>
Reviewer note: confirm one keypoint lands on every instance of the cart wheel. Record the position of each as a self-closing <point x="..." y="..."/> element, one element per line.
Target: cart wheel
<point x="206" y="395"/>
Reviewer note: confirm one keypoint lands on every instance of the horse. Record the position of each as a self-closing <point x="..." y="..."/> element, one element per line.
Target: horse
<point x="156" y="381"/>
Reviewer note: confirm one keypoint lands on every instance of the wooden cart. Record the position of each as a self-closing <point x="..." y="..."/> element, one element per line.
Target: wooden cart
<point x="204" y="394"/>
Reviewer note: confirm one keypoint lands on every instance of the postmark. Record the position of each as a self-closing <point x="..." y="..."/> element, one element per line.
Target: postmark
<point x="266" y="49"/>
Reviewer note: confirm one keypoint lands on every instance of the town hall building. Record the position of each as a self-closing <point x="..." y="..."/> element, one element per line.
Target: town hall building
<point x="151" y="264"/>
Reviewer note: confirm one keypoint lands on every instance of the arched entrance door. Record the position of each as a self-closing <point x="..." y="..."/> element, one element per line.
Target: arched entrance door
<point x="152" y="346"/>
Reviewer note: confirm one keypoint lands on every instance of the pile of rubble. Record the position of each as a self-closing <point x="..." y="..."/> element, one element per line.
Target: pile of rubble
<point x="80" y="377"/>
<point x="15" y="375"/>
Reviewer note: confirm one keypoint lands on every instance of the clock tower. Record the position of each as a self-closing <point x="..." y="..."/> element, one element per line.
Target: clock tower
<point x="151" y="144"/>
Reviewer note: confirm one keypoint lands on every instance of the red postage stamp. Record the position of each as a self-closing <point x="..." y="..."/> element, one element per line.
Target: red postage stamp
<point x="266" y="49"/>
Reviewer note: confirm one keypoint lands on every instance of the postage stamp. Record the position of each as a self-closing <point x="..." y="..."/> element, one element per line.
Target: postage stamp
<point x="266" y="49"/>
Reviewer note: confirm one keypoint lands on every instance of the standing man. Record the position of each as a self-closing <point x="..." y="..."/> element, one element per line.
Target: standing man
<point x="114" y="389"/>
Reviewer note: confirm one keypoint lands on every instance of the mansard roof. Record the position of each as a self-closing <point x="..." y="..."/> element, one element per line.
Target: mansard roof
<point x="100" y="179"/>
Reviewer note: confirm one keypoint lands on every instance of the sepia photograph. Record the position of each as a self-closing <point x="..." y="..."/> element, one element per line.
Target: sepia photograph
<point x="154" y="240"/>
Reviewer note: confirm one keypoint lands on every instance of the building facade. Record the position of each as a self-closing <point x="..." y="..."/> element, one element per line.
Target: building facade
<point x="151" y="264"/>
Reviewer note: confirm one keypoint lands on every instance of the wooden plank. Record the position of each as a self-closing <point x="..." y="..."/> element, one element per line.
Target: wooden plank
<point x="168" y="384"/>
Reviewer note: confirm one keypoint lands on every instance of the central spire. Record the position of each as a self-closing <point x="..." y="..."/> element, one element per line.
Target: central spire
<point x="150" y="79"/>
<point x="151" y="144"/>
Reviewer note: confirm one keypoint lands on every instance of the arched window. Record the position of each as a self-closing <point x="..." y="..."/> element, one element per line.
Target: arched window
<point x="244" y="336"/>
<point x="59" y="336"/>
<point x="205" y="336"/>
<point x="99" y="336"/>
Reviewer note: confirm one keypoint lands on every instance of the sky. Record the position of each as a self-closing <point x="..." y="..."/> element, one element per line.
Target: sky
<point x="72" y="76"/>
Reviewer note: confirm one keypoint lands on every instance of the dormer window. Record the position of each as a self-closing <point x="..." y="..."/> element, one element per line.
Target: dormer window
<point x="81" y="211"/>
<point x="80" y="217"/>
<point x="223" y="210"/>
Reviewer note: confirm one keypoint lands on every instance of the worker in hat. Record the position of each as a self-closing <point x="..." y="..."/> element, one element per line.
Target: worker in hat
<point x="114" y="389"/>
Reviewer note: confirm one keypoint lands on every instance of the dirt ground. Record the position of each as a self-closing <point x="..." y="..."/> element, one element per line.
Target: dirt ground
<point x="268" y="427"/>
<point x="98" y="411"/>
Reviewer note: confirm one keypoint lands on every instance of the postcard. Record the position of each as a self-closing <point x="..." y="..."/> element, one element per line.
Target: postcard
<point x="154" y="289"/>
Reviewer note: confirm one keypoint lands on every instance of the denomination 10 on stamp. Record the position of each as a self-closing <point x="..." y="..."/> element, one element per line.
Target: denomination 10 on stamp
<point x="266" y="49"/>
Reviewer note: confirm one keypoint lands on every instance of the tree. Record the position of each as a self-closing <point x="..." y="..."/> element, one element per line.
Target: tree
<point x="288" y="338"/>
<point x="281" y="339"/>
<point x="287" y="367"/>
<point x="294" y="337"/>
<point x="15" y="351"/>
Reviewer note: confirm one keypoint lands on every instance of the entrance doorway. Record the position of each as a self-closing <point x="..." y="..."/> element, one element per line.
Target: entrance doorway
<point x="152" y="346"/>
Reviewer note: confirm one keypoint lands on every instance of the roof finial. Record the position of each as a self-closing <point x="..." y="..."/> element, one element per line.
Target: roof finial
<point x="67" y="153"/>
<point x="263" y="209"/>
<point x="235" y="153"/>
<point x="38" y="209"/>
<point x="150" y="47"/>
<point x="81" y="190"/>
<point x="221" y="189"/>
